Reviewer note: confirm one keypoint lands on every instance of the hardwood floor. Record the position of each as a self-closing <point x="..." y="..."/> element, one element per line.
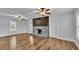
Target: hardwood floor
<point x="57" y="44"/>
<point x="40" y="43"/>
<point x="4" y="43"/>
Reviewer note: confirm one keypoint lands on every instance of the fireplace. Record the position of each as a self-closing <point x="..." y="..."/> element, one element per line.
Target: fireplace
<point x="39" y="31"/>
<point x="41" y="26"/>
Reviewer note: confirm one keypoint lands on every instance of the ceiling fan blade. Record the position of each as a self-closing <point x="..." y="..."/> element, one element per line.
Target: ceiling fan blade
<point x="17" y="16"/>
<point x="37" y="13"/>
<point x="9" y="15"/>
<point x="37" y="9"/>
<point x="40" y="9"/>
<point x="46" y="9"/>
<point x="48" y="13"/>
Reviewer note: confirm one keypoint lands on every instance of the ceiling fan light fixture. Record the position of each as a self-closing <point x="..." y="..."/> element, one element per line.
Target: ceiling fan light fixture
<point x="43" y="11"/>
<point x="19" y="18"/>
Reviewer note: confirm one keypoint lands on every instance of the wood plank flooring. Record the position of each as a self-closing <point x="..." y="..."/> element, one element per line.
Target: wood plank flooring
<point x="57" y="44"/>
<point x="40" y="43"/>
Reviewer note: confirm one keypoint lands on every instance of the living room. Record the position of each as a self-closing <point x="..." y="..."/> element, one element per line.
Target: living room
<point x="61" y="29"/>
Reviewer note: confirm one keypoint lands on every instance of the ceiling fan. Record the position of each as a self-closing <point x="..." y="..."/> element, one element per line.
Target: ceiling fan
<point x="43" y="11"/>
<point x="17" y="17"/>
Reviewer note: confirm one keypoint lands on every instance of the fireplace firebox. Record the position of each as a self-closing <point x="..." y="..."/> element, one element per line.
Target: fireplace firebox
<point x="39" y="31"/>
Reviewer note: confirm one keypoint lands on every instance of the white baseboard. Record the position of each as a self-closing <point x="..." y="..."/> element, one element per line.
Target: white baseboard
<point x="77" y="43"/>
<point x="63" y="38"/>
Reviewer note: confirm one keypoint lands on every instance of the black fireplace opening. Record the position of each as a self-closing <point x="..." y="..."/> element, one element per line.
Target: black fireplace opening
<point x="39" y="31"/>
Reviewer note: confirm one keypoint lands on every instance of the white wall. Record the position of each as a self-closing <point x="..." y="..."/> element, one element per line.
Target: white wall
<point x="59" y="26"/>
<point x="52" y="26"/>
<point x="22" y="26"/>
<point x="76" y="13"/>
<point x="76" y="17"/>
<point x="62" y="26"/>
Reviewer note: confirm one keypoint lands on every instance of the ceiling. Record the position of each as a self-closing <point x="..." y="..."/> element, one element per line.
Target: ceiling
<point x="28" y="12"/>
<point x="62" y="10"/>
